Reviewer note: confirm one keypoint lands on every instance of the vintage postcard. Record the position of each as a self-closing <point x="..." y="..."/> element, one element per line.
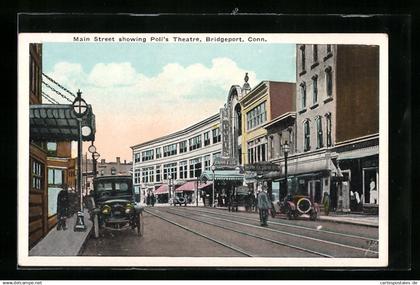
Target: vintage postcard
<point x="196" y="150"/>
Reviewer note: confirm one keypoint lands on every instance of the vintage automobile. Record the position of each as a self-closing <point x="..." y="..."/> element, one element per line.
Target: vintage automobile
<point x="295" y="206"/>
<point x="178" y="200"/>
<point x="113" y="207"/>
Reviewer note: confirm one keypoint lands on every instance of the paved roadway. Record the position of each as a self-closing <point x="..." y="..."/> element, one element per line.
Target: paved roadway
<point x="207" y="232"/>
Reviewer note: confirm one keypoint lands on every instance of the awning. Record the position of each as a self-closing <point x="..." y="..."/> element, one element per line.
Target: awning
<point x="359" y="153"/>
<point x="57" y="122"/>
<point x="230" y="175"/>
<point x="162" y="189"/>
<point x="191" y="186"/>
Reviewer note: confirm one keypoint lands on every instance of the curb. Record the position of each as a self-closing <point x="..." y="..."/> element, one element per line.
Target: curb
<point x="367" y="224"/>
<point x="83" y="245"/>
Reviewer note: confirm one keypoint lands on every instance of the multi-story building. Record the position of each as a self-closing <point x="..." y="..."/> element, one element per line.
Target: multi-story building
<point x="51" y="166"/>
<point x="103" y="168"/>
<point x="176" y="158"/>
<point x="337" y="121"/>
<point x="260" y="106"/>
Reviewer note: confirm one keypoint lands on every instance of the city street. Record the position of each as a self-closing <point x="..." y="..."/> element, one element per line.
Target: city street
<point x="209" y="232"/>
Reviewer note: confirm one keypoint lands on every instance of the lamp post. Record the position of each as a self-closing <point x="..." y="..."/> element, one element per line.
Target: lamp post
<point x="80" y="108"/>
<point x="286" y="149"/>
<point x="213" y="168"/>
<point x="95" y="156"/>
<point x="170" y="187"/>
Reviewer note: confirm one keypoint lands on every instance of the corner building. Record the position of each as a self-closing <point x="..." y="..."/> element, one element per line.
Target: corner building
<point x="337" y="123"/>
<point x="181" y="156"/>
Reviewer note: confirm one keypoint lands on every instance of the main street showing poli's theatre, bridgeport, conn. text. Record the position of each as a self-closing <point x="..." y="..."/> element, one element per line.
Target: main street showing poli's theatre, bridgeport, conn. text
<point x="154" y="149"/>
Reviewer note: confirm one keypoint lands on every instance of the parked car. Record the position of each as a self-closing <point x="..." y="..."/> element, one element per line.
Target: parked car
<point x="295" y="206"/>
<point x="179" y="200"/>
<point x="113" y="205"/>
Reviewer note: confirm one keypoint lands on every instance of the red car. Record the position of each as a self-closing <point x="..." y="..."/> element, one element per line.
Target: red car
<point x="295" y="206"/>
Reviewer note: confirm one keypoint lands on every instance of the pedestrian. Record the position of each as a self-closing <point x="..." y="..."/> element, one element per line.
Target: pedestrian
<point x="148" y="199"/>
<point x="373" y="192"/>
<point x="264" y="205"/>
<point x="153" y="200"/>
<point x="326" y="202"/>
<point x="62" y="209"/>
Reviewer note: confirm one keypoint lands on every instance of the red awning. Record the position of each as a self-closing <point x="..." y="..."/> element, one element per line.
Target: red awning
<point x="191" y="186"/>
<point x="162" y="189"/>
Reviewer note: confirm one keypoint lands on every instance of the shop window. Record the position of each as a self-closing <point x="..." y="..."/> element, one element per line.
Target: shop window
<point x="55" y="176"/>
<point x="52" y="148"/>
<point x="370" y="185"/>
<point x="37" y="175"/>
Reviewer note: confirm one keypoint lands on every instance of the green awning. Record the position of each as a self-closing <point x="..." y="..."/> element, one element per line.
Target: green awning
<point x="230" y="175"/>
<point x="57" y="122"/>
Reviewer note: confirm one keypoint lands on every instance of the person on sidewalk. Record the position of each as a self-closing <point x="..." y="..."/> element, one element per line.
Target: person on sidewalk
<point x="62" y="209"/>
<point x="264" y="205"/>
<point x="153" y="199"/>
<point x="326" y="203"/>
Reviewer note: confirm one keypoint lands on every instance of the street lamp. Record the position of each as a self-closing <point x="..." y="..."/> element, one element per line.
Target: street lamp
<point x="80" y="109"/>
<point x="213" y="168"/>
<point x="95" y="156"/>
<point x="170" y="187"/>
<point x="286" y="149"/>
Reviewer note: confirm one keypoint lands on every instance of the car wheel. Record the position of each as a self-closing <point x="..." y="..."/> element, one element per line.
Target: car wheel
<point x="96" y="226"/>
<point x="140" y="225"/>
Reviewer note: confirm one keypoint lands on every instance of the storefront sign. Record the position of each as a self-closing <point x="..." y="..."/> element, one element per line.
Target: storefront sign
<point x="262" y="167"/>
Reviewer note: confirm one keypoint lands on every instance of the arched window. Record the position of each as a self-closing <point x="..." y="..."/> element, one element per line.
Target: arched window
<point x="306" y="136"/>
<point x="238" y="119"/>
<point x="319" y="133"/>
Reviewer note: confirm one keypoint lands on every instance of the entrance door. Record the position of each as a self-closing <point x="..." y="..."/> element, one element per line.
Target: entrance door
<point x="318" y="192"/>
<point x="333" y="196"/>
<point x="370" y="185"/>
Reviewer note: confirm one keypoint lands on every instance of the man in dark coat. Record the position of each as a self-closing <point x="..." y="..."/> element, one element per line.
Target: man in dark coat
<point x="62" y="209"/>
<point x="264" y="204"/>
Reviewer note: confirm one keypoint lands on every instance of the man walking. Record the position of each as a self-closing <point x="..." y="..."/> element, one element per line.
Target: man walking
<point x="62" y="209"/>
<point x="264" y="205"/>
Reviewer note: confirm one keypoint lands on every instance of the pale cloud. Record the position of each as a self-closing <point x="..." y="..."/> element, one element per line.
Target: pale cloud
<point x="131" y="108"/>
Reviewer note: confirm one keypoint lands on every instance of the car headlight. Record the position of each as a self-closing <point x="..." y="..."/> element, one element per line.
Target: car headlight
<point x="106" y="210"/>
<point x="129" y="208"/>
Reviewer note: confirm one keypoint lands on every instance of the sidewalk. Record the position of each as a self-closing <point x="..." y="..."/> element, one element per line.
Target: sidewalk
<point x="63" y="243"/>
<point x="348" y="218"/>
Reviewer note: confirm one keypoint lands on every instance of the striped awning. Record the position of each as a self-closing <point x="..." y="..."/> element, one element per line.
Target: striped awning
<point x="192" y="185"/>
<point x="57" y="122"/>
<point x="220" y="175"/>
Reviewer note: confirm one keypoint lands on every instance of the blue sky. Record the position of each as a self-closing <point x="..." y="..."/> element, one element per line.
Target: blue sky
<point x="140" y="91"/>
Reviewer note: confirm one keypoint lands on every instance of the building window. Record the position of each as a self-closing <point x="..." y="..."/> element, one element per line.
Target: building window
<point x="183" y="147"/>
<point x="256" y="116"/>
<point x="216" y="156"/>
<point x="52" y="148"/>
<point x="319" y="134"/>
<point x="216" y="135"/>
<point x="207" y="138"/>
<point x="303" y="95"/>
<point x="137" y="176"/>
<point x="207" y="162"/>
<point x="55" y="177"/>
<point x="158" y="173"/>
<point x="183" y="170"/>
<point x="328" y="81"/>
<point x="137" y="157"/>
<point x="158" y="153"/>
<point x="169" y="169"/>
<point x="169" y="150"/>
<point x="257" y="150"/>
<point x="113" y="171"/>
<point x="147" y="155"/>
<point x="328" y="122"/>
<point x="147" y="174"/>
<point x="315" y="89"/>
<point x="195" y="142"/>
<point x="307" y="136"/>
<point x="315" y="53"/>
<point x="302" y="57"/>
<point x="37" y="175"/>
<point x="102" y="172"/>
<point x="195" y="167"/>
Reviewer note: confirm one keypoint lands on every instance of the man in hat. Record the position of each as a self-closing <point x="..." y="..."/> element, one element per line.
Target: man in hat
<point x="62" y="208"/>
<point x="263" y="205"/>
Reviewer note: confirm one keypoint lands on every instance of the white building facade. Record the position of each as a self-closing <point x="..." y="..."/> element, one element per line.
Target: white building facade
<point x="180" y="157"/>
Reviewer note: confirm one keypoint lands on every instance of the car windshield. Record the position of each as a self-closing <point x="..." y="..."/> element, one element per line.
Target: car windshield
<point x="118" y="186"/>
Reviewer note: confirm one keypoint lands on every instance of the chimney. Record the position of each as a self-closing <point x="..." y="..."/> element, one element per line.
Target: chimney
<point x="103" y="161"/>
<point x="118" y="160"/>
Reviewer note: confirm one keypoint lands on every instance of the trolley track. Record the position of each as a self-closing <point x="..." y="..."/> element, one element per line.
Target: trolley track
<point x="236" y="249"/>
<point x="365" y="251"/>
